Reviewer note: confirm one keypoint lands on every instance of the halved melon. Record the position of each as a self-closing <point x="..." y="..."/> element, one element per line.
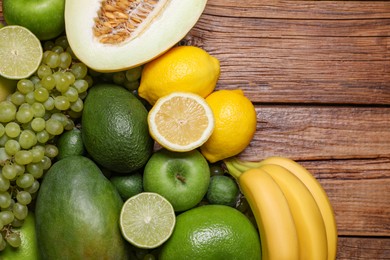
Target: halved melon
<point x="113" y="35"/>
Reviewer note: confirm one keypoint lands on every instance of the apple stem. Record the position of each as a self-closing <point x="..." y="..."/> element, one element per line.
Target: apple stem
<point x="180" y="178"/>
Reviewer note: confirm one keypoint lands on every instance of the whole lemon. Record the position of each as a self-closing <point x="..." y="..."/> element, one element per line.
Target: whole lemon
<point x="235" y="124"/>
<point x="182" y="68"/>
<point x="212" y="232"/>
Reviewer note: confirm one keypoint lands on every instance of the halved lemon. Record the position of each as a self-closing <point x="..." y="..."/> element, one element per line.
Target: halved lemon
<point x="20" y="52"/>
<point x="181" y="121"/>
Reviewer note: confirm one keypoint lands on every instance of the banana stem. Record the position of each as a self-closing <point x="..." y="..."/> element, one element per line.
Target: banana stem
<point x="233" y="171"/>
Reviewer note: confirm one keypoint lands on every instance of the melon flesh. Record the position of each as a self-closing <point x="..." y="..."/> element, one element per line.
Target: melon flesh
<point x="162" y="30"/>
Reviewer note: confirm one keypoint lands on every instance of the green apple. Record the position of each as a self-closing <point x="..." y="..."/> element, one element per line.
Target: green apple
<point x="45" y="18"/>
<point x="181" y="177"/>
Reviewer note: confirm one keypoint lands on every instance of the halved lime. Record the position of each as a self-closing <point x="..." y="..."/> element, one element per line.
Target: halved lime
<point x="147" y="220"/>
<point x="20" y="52"/>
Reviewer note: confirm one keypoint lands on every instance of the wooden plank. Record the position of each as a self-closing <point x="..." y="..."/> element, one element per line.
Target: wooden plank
<point x="300" y="9"/>
<point x="320" y="132"/>
<point x="300" y="51"/>
<point x="359" y="192"/>
<point x="357" y="248"/>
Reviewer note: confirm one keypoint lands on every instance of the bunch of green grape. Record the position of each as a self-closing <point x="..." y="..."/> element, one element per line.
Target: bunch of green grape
<point x="41" y="108"/>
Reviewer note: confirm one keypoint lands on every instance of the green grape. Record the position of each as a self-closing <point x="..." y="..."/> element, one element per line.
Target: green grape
<point x="51" y="150"/>
<point x="65" y="60"/>
<point x="70" y="51"/>
<point x="23" y="197"/>
<point x="62" y="41"/>
<point x="89" y="80"/>
<point x="54" y="126"/>
<point x="81" y="85"/>
<point x="48" y="82"/>
<point x="77" y="106"/>
<point x="2" y="129"/>
<point x="79" y="70"/>
<point x="9" y="171"/>
<point x="23" y="157"/>
<point x="74" y="115"/>
<point x="33" y="188"/>
<point x="83" y="95"/>
<point x="49" y="104"/>
<point x="20" y="211"/>
<point x="119" y="77"/>
<point x="4" y="156"/>
<point x="7" y="111"/>
<point x="62" y="83"/>
<point x="35" y="169"/>
<point x="71" y="78"/>
<point x="72" y="94"/>
<point x="17" y="222"/>
<point x="13" y="239"/>
<point x="134" y="73"/>
<point x="5" y="199"/>
<point x="25" y="180"/>
<point x="12" y="147"/>
<point x="43" y="136"/>
<point x="52" y="60"/>
<point x="17" y="98"/>
<point x="46" y="163"/>
<point x="12" y="129"/>
<point x="24" y="115"/>
<point x="38" y="124"/>
<point x="35" y="79"/>
<point x="57" y="49"/>
<point x="20" y="169"/>
<point x="44" y="69"/>
<point x="4" y="183"/>
<point x="3" y="140"/>
<point x="60" y="117"/>
<point x="69" y="124"/>
<point x="27" y="139"/>
<point x="6" y="216"/>
<point x="131" y="85"/>
<point x="25" y="86"/>
<point x="38" y="152"/>
<point x="41" y="94"/>
<point x="29" y="98"/>
<point x="38" y="109"/>
<point x="48" y="45"/>
<point x="61" y="103"/>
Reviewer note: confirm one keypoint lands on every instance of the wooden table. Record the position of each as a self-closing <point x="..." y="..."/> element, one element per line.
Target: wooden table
<point x="319" y="75"/>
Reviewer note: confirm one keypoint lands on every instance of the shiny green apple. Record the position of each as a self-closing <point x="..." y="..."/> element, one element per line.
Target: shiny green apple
<point x="45" y="18"/>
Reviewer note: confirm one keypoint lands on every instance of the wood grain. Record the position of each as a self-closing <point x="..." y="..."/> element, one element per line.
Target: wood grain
<point x="318" y="73"/>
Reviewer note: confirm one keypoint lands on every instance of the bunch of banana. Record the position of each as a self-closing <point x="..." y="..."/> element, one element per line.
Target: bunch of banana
<point x="292" y="210"/>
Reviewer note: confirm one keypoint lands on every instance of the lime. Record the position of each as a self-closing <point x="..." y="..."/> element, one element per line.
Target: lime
<point x="212" y="232"/>
<point x="20" y="52"/>
<point x="70" y="143"/>
<point x="222" y="190"/>
<point x="147" y="220"/>
<point x="128" y="185"/>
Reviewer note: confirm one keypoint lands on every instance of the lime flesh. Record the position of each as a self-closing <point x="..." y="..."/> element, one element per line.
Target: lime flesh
<point x="20" y="52"/>
<point x="147" y="220"/>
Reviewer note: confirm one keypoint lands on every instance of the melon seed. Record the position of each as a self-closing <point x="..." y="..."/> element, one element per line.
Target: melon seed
<point x="121" y="20"/>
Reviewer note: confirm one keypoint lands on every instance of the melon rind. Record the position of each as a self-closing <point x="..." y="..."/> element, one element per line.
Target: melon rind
<point x="173" y="23"/>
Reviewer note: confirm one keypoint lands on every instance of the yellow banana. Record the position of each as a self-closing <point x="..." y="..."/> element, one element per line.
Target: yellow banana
<point x="306" y="214"/>
<point x="278" y="234"/>
<point x="313" y="186"/>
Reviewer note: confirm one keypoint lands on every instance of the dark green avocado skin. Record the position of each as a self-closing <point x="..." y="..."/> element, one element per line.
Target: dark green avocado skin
<point x="115" y="129"/>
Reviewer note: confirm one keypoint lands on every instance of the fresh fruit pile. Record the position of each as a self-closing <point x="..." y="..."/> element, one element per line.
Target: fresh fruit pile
<point x="114" y="139"/>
